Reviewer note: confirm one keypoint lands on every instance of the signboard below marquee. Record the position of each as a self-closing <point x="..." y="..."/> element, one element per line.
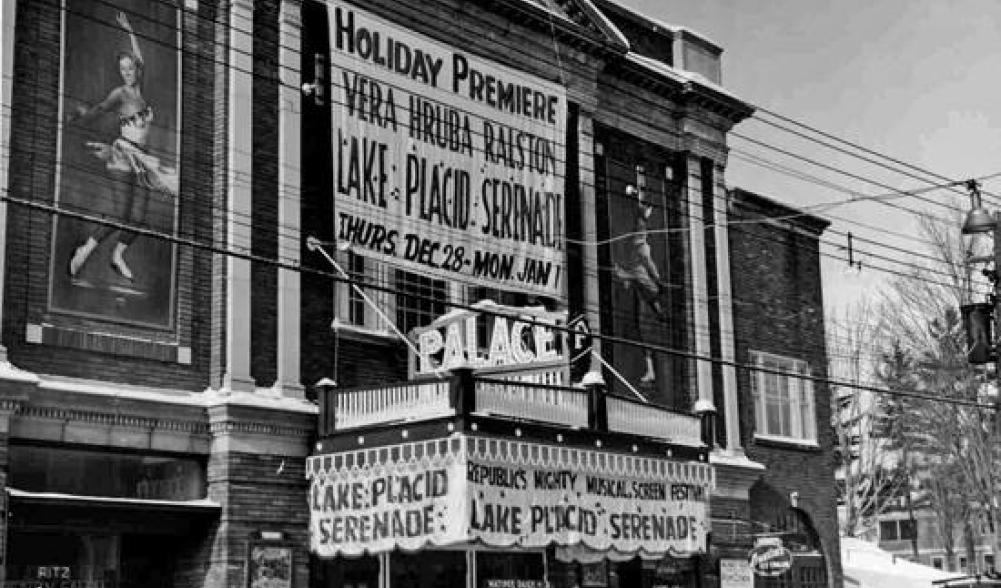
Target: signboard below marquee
<point x="505" y="493"/>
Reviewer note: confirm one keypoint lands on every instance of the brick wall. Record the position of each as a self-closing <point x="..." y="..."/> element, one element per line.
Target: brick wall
<point x="778" y="308"/>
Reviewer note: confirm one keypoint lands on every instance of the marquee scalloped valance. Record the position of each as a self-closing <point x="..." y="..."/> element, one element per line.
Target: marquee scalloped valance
<point x="442" y="451"/>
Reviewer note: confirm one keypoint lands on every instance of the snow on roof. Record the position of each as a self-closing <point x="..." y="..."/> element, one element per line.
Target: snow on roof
<point x="666" y="25"/>
<point x="262" y="397"/>
<point x="871" y="567"/>
<point x="680" y="75"/>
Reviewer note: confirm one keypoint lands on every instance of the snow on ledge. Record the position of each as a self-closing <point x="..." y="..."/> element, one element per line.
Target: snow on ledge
<point x="117" y="390"/>
<point x="198" y="503"/>
<point x="734" y="459"/>
<point x="262" y="398"/>
<point x="12" y="373"/>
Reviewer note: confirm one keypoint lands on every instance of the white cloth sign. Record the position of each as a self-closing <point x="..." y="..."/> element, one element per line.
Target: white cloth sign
<point x="444" y="162"/>
<point x="506" y="493"/>
<point x="735" y="573"/>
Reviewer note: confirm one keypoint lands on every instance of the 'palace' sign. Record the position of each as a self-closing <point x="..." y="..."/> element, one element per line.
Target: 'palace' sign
<point x="500" y="336"/>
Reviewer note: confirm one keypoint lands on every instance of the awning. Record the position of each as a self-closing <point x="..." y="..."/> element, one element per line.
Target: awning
<point x="506" y="493"/>
<point x="201" y="506"/>
<point x="169" y="517"/>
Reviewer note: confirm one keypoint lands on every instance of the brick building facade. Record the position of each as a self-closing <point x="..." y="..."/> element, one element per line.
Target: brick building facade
<point x="784" y="318"/>
<point x="157" y="366"/>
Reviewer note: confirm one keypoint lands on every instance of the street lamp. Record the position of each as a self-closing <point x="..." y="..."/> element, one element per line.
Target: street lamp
<point x="978" y="317"/>
<point x="978" y="220"/>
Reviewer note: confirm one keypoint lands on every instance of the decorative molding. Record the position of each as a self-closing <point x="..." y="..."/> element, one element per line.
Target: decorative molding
<point x="290" y="13"/>
<point x="242" y="5"/>
<point x="198" y="427"/>
<point x="232" y="426"/>
<point x="112" y="343"/>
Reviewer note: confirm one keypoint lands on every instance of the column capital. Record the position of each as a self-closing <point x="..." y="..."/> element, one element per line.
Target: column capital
<point x="236" y="6"/>
<point x="290" y="13"/>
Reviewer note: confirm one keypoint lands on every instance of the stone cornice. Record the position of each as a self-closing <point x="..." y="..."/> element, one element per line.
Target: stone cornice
<point x="229" y="427"/>
<point x="230" y="419"/>
<point x="735" y="474"/>
<point x="113" y="419"/>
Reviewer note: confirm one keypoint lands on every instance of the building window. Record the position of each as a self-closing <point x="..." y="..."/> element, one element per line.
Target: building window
<point x="783" y="402"/>
<point x="988" y="562"/>
<point x="908" y="530"/>
<point x="936" y="562"/>
<point x="419" y="300"/>
<point x="411" y="300"/>
<point x="962" y="564"/>
<point x="888" y="531"/>
<point x="904" y="530"/>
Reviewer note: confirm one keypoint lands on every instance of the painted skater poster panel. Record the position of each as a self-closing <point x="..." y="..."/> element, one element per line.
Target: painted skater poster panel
<point x="637" y="219"/>
<point x="118" y="153"/>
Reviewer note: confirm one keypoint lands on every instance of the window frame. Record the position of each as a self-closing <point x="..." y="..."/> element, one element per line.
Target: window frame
<point x="796" y="422"/>
<point x="886" y="525"/>
<point x="347" y="303"/>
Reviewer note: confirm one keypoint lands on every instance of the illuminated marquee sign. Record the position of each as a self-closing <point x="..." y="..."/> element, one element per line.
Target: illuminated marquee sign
<point x="505" y="493"/>
<point x="445" y="163"/>
<point x="502" y="336"/>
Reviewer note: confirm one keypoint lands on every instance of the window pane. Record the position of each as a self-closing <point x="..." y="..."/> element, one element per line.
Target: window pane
<point x="783" y="399"/>
<point x="106" y="473"/>
<point x="795" y="406"/>
<point x="356" y="309"/>
<point x="888" y="530"/>
<point x="420" y="300"/>
<point x="759" y="401"/>
<point x="908" y="530"/>
<point x="808" y="417"/>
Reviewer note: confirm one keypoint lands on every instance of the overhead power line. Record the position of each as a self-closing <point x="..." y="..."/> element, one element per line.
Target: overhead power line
<point x="49" y="209"/>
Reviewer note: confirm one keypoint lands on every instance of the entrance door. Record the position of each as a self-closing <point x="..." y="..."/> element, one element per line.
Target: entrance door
<point x="427" y="569"/>
<point x="147" y="561"/>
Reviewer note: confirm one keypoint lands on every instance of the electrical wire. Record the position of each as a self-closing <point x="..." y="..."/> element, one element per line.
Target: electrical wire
<point x="604" y="337"/>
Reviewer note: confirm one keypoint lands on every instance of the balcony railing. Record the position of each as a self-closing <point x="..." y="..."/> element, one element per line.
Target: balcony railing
<point x="650" y="420"/>
<point x="533" y="402"/>
<point x="501" y="396"/>
<point x="386" y="404"/>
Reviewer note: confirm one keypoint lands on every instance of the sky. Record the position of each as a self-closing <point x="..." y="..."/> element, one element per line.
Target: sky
<point x="918" y="80"/>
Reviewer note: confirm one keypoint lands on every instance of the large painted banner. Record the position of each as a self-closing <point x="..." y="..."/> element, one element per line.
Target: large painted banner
<point x="118" y="151"/>
<point x="506" y="493"/>
<point x="445" y="163"/>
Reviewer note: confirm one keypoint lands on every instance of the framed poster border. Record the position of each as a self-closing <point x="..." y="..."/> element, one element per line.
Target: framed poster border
<point x="170" y="326"/>
<point x="287" y="553"/>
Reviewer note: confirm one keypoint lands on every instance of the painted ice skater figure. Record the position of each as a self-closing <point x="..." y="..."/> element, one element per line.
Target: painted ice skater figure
<point x="637" y="269"/>
<point x="132" y="170"/>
